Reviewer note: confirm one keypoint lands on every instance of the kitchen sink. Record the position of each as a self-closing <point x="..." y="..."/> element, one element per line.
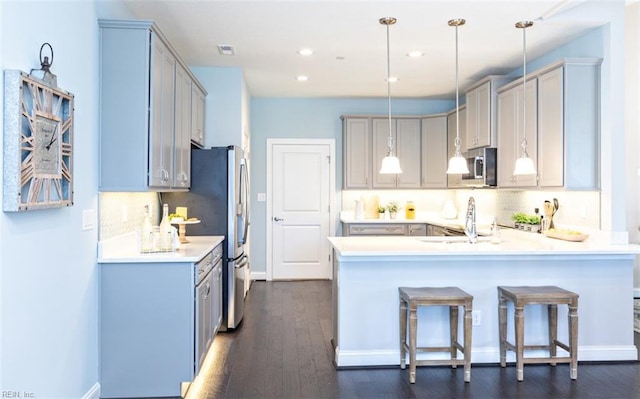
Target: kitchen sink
<point x="448" y="239"/>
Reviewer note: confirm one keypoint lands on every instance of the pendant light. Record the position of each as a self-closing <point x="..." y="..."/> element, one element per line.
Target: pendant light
<point x="390" y="163"/>
<point x="524" y="164"/>
<point x="457" y="163"/>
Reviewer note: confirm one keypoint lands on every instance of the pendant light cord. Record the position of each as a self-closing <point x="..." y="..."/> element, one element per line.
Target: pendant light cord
<point x="457" y="142"/>
<point x="524" y="90"/>
<point x="390" y="141"/>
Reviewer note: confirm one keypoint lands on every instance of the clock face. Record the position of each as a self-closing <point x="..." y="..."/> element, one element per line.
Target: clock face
<point x="44" y="128"/>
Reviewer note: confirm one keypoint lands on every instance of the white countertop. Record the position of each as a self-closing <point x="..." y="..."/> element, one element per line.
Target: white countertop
<point x="124" y="249"/>
<point x="421" y="217"/>
<point x="513" y="243"/>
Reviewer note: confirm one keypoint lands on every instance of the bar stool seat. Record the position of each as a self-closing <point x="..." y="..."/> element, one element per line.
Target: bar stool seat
<point x="551" y="296"/>
<point x="413" y="297"/>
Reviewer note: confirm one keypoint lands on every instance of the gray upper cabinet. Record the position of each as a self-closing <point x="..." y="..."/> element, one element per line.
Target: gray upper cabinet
<point x="564" y="103"/>
<point x="434" y="151"/>
<point x="510" y="134"/>
<point x="197" y="116"/>
<point x="481" y="112"/>
<point x="182" y="142"/>
<point x="406" y="134"/>
<point x="356" y="144"/>
<point x="145" y="109"/>
<point x="163" y="118"/>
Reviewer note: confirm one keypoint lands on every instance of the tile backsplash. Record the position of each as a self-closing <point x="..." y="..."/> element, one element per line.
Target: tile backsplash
<point x="121" y="213"/>
<point x="577" y="208"/>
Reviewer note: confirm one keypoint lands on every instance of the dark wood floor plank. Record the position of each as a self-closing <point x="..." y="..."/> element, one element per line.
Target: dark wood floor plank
<point x="282" y="349"/>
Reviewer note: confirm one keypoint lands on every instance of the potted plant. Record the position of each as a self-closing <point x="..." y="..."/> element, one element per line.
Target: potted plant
<point x="381" y="211"/>
<point x="393" y="207"/>
<point x="526" y="222"/>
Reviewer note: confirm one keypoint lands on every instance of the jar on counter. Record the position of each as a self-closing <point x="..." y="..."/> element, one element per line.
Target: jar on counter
<point x="410" y="210"/>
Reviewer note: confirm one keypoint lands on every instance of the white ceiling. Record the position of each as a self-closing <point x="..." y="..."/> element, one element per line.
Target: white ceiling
<point x="267" y="35"/>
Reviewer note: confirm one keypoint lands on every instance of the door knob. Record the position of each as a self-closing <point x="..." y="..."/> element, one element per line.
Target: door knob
<point x="277" y="219"/>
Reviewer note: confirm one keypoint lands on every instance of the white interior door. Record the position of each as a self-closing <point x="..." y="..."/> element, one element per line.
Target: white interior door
<point x="300" y="218"/>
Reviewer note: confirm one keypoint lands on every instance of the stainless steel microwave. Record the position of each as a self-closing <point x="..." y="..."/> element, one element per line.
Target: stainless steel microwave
<point x="483" y="167"/>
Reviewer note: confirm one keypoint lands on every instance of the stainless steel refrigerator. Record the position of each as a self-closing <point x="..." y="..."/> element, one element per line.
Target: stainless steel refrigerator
<point x="219" y="197"/>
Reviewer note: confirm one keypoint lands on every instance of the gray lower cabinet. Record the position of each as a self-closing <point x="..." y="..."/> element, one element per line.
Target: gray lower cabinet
<point x="150" y="338"/>
<point x="145" y="109"/>
<point x="384" y="229"/>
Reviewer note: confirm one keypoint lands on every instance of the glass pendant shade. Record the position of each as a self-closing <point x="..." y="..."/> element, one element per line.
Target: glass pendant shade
<point x="524" y="166"/>
<point x="458" y="165"/>
<point x="390" y="165"/>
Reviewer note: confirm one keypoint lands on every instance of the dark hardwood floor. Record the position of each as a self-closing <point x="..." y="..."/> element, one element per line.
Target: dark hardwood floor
<point x="282" y="349"/>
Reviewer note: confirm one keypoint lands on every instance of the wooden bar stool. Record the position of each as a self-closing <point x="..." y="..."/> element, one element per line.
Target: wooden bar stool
<point x="410" y="299"/>
<point x="545" y="295"/>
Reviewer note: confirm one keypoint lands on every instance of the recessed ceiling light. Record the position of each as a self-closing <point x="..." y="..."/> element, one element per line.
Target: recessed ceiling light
<point x="305" y="51"/>
<point x="415" y="54"/>
<point x="393" y="79"/>
<point x="302" y="78"/>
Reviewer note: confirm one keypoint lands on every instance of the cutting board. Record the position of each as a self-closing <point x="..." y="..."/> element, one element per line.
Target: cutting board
<point x="563" y="235"/>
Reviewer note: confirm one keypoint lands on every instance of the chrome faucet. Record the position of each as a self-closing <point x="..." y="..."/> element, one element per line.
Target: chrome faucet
<point x="470" y="222"/>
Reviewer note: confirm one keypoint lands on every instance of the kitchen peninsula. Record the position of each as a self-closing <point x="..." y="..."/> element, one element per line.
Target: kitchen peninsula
<point x="369" y="270"/>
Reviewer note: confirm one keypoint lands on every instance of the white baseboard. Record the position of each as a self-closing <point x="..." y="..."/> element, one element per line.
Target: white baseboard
<point x="479" y="355"/>
<point x="258" y="275"/>
<point x="93" y="393"/>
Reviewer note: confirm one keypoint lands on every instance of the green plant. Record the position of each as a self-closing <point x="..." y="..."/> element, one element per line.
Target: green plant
<point x="381" y="208"/>
<point x="393" y="206"/>
<point x="523" y="218"/>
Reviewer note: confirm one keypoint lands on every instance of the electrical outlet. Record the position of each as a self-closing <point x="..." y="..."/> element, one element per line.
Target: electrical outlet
<point x="476" y="317"/>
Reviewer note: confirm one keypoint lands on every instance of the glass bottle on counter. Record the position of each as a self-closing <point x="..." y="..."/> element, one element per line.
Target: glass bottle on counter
<point x="165" y="240"/>
<point x="495" y="232"/>
<point x="146" y="232"/>
<point x="410" y="210"/>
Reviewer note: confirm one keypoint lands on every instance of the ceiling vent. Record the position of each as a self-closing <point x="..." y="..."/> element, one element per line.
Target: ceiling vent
<point x="226" y="49"/>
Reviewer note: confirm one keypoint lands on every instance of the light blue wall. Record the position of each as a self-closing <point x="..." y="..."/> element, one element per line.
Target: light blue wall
<point x="223" y="122"/>
<point x="309" y="118"/>
<point x="48" y="284"/>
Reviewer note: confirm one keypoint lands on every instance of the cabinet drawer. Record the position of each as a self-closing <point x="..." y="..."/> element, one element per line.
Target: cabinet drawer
<point x="379" y="230"/>
<point x="417" y="229"/>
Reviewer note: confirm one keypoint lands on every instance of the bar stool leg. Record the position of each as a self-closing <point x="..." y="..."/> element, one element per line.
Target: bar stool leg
<point x="573" y="340"/>
<point x="467" y="343"/>
<point x="502" y="320"/>
<point x="413" y="336"/>
<point x="453" y="333"/>
<point x="552" y="311"/>
<point x="519" y="321"/>
<point x="403" y="333"/>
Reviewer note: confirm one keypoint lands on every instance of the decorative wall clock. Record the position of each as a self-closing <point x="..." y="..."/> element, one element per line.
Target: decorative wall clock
<point x="38" y="144"/>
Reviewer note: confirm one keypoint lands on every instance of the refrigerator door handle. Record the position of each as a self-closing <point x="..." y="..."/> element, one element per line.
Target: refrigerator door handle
<point x="243" y="207"/>
<point x="242" y="262"/>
